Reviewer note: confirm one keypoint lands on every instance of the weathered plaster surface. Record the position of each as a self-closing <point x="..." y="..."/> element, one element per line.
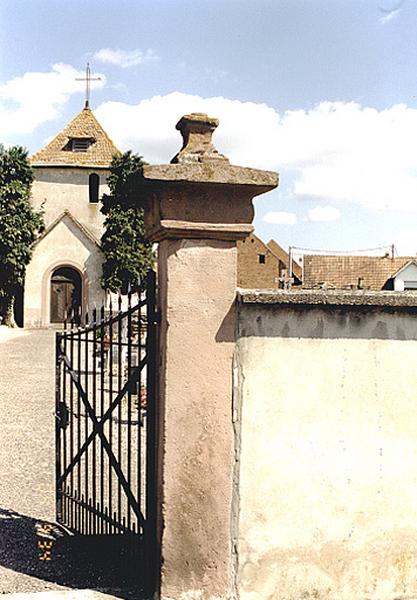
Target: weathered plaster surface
<point x="197" y="339"/>
<point x="328" y="471"/>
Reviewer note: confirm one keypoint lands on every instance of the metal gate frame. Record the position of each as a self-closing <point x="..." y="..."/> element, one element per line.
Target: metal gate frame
<point x="106" y="381"/>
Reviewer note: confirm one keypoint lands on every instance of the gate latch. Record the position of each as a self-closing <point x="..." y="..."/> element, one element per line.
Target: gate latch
<point x="62" y="415"/>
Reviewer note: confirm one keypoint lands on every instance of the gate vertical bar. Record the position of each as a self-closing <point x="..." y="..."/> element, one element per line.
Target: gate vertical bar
<point x="86" y="470"/>
<point x="151" y="427"/>
<point x="102" y="463"/>
<point x="140" y="462"/>
<point x="63" y="428"/>
<point x="94" y="458"/>
<point x="71" y="424"/>
<point x="119" y="410"/>
<point x="129" y="405"/>
<point x="110" y="371"/>
<point x="78" y="491"/>
<point x="58" y="494"/>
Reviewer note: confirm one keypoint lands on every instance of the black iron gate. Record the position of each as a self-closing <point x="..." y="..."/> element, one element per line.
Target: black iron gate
<point x="106" y="421"/>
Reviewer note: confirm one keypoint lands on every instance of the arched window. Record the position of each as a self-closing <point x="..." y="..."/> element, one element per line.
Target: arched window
<point x="93" y="187"/>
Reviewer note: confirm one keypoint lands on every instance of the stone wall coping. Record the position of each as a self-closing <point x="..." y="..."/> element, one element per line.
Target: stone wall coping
<point x="170" y="228"/>
<point x="216" y="172"/>
<point x="383" y="299"/>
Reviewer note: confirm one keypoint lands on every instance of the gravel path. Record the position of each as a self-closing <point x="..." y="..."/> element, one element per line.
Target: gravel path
<point x="27" y="423"/>
<point x="27" y="499"/>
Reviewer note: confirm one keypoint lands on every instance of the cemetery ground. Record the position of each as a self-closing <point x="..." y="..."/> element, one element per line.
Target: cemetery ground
<point x="36" y="555"/>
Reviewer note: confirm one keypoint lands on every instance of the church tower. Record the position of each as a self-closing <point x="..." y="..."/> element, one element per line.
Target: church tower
<point x="70" y="178"/>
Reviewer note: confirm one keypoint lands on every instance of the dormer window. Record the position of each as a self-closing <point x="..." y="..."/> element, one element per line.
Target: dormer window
<point x="79" y="144"/>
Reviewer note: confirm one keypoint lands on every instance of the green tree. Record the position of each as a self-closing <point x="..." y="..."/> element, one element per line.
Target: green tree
<point x="20" y="224"/>
<point x="127" y="254"/>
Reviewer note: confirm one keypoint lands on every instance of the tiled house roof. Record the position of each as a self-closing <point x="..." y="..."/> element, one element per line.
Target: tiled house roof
<point x="347" y="272"/>
<point x="84" y="126"/>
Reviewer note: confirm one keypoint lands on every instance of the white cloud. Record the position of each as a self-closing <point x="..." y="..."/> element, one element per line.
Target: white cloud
<point x="337" y="151"/>
<point x="125" y="58"/>
<point x="388" y="16"/>
<point x="323" y="213"/>
<point x="149" y="127"/>
<point x="280" y="218"/>
<point x="37" y="97"/>
<point x="345" y="152"/>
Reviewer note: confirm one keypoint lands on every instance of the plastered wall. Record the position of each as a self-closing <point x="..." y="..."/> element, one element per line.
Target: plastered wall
<point x="326" y="489"/>
<point x="65" y="245"/>
<point x="196" y="337"/>
<point x="58" y="189"/>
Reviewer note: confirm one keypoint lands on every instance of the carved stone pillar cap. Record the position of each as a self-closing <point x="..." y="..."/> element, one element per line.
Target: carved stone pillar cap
<point x="200" y="194"/>
<point x="197" y="120"/>
<point x="199" y="163"/>
<point x="197" y="130"/>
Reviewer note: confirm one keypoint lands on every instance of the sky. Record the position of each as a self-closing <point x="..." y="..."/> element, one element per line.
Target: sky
<point x="322" y="91"/>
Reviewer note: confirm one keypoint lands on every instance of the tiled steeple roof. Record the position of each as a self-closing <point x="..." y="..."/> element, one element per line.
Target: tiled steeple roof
<point x="59" y="153"/>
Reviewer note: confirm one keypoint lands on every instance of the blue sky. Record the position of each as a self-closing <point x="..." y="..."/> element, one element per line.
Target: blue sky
<point x="323" y="91"/>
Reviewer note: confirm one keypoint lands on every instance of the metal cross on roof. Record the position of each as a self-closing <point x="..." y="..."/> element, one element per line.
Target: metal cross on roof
<point x="87" y="80"/>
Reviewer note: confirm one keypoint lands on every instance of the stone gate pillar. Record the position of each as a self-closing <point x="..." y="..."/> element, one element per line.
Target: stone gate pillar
<point x="197" y="207"/>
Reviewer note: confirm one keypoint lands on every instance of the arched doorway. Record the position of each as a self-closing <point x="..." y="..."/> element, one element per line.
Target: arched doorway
<point x="66" y="294"/>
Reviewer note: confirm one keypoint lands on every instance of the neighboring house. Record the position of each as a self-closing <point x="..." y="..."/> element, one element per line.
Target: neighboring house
<point x="284" y="258"/>
<point x="70" y="177"/>
<point x="360" y="272"/>
<point x="262" y="265"/>
<point x="406" y="277"/>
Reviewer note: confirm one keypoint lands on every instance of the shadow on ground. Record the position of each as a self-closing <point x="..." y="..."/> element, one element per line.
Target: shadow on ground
<point x="46" y="551"/>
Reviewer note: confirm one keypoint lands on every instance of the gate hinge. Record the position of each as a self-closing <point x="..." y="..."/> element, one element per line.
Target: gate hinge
<point x="62" y="415"/>
<point x="157" y="317"/>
